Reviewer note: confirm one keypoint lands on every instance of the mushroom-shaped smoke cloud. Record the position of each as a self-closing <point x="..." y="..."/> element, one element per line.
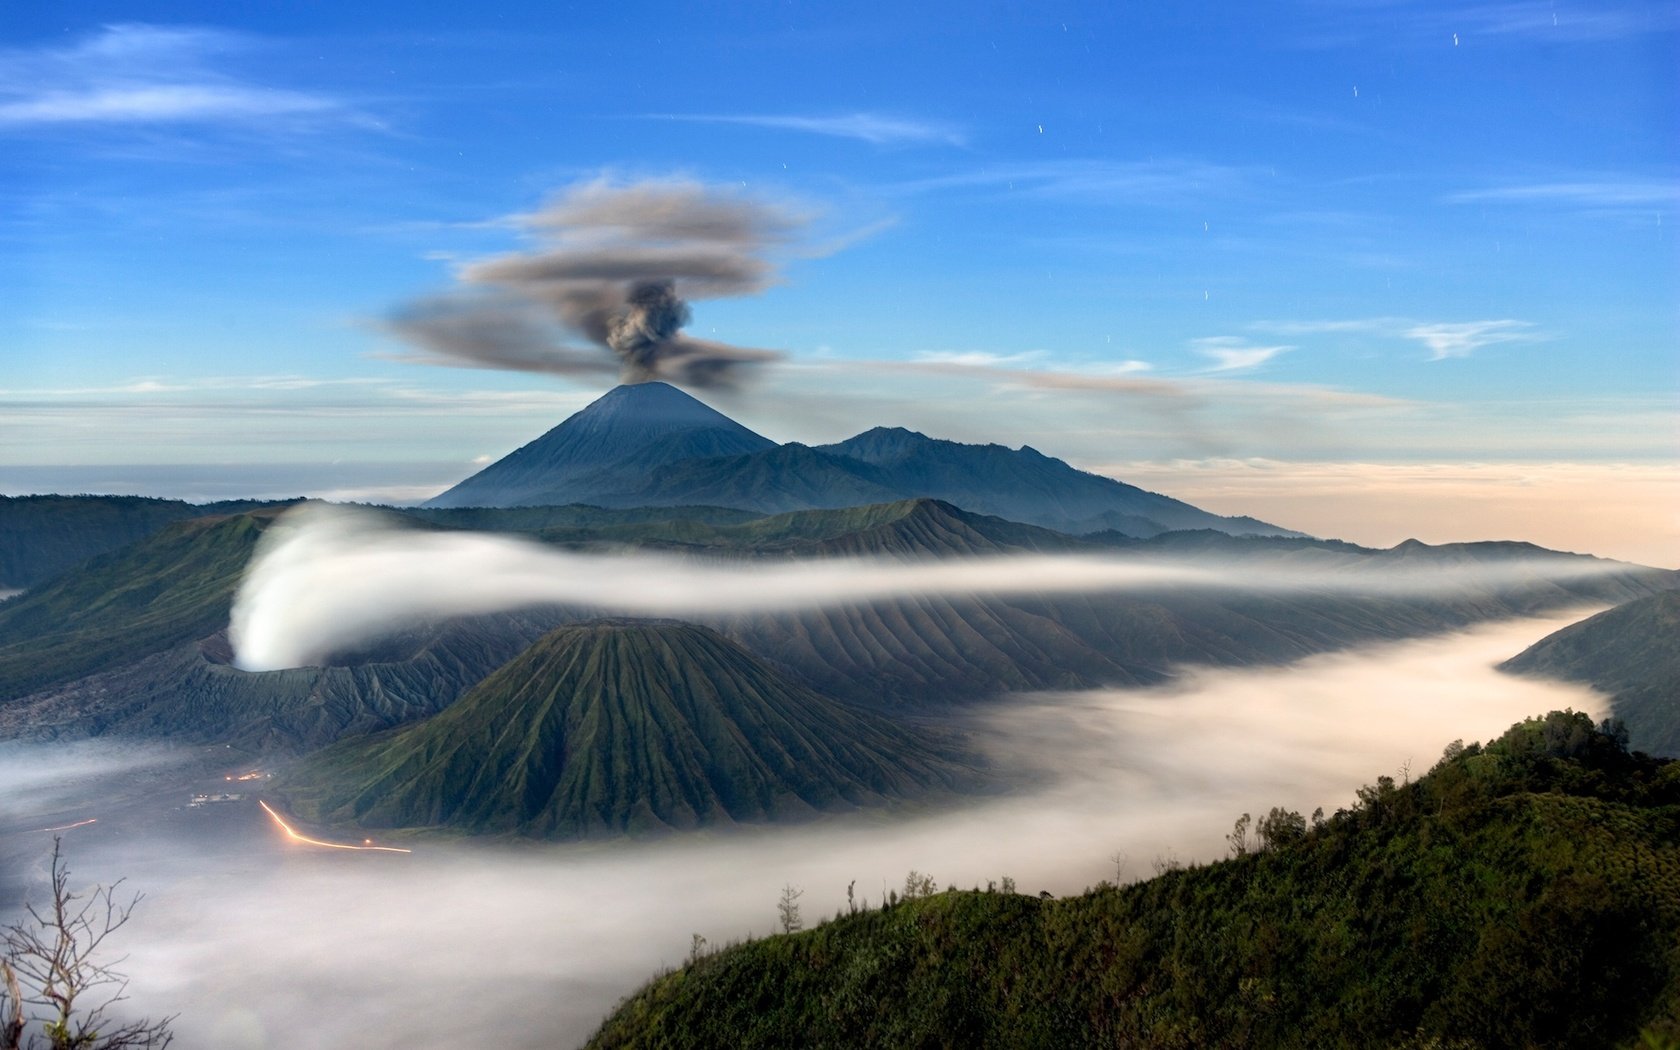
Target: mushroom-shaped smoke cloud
<point x="615" y="264"/>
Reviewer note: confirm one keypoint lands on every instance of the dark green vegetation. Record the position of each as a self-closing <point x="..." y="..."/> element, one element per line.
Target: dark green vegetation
<point x="1525" y="894"/>
<point x="42" y="536"/>
<point x="650" y="444"/>
<point x="1631" y="652"/>
<point x="614" y="726"/>
<point x="173" y="587"/>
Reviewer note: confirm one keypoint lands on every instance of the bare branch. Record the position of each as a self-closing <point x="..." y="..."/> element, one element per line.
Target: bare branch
<point x="54" y="956"/>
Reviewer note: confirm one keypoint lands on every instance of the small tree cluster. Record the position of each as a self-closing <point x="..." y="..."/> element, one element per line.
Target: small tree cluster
<point x="917" y="885"/>
<point x="787" y="909"/>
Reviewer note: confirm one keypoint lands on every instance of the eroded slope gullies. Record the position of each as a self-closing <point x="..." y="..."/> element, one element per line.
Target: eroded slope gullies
<point x="615" y="726"/>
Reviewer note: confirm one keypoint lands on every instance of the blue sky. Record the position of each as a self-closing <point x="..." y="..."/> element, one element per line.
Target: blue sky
<point x="1132" y="235"/>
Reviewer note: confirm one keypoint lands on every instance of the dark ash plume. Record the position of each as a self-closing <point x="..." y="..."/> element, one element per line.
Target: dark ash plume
<point x="616" y="266"/>
<point x="468" y="329"/>
<point x="651" y="318"/>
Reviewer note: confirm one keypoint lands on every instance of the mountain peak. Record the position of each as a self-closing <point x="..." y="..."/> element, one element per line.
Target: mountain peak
<point x="652" y="422"/>
<point x="650" y="401"/>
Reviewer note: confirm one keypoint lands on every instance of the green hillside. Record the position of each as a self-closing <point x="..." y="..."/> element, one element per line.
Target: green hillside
<point x="1521" y="895"/>
<point x="190" y="692"/>
<point x="43" y="536"/>
<point x="1631" y="652"/>
<point x="173" y="587"/>
<point x="615" y="726"/>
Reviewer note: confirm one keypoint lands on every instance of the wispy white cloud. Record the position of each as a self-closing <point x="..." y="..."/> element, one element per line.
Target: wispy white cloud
<point x="1611" y="192"/>
<point x="1234" y="354"/>
<point x="143" y="74"/>
<point x="979" y="358"/>
<point x="873" y="128"/>
<point x="143" y="385"/>
<point x="1387" y="325"/>
<point x="1547" y="20"/>
<point x="167" y="102"/>
<point x="1461" y="340"/>
<point x="1434" y="22"/>
<point x="1105" y="181"/>
<point x="1443" y="338"/>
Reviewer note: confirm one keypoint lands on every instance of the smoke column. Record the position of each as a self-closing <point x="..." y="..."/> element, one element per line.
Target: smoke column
<point x="616" y="266"/>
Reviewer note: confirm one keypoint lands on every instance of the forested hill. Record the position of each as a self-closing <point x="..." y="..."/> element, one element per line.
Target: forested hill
<point x="1522" y="894"/>
<point x="1631" y="652"/>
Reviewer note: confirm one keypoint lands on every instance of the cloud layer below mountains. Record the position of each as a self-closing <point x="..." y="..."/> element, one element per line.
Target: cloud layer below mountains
<point x="257" y="942"/>
<point x="328" y="579"/>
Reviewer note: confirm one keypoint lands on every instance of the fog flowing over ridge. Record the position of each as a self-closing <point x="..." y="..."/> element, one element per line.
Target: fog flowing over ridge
<point x="261" y="943"/>
<point x="328" y="578"/>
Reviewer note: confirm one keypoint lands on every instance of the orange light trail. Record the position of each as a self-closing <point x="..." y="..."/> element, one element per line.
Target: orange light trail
<point x="306" y="840"/>
<point x="67" y="827"/>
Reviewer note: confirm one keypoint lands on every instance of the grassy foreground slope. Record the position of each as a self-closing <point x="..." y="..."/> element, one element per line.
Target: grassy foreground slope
<point x="1525" y="894"/>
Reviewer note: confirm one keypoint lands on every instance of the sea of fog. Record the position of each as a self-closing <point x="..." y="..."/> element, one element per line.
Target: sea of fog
<point x="255" y="941"/>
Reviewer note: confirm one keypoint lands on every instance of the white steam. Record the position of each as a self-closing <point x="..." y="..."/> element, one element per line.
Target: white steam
<point x="327" y="578"/>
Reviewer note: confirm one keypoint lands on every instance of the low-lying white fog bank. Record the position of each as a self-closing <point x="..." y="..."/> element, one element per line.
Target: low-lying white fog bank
<point x="327" y="578"/>
<point x="258" y="943"/>
<point x="37" y="781"/>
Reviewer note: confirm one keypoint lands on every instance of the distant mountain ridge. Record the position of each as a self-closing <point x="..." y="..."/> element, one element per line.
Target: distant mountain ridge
<point x="649" y="444"/>
<point x="1026" y="485"/>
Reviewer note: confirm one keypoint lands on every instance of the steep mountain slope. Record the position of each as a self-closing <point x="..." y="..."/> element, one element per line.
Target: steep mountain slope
<point x="1631" y="652"/>
<point x="615" y="726"/>
<point x="642" y="424"/>
<point x="1026" y="485"/>
<point x="191" y="693"/>
<point x="1525" y="895"/>
<point x="174" y="587"/>
<point x="772" y="481"/>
